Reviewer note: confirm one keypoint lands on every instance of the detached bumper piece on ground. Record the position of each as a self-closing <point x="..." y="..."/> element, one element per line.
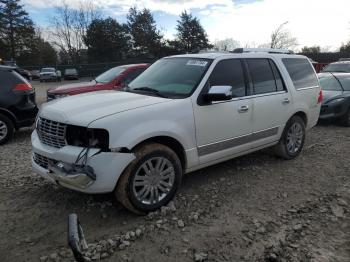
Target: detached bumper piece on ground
<point x="76" y="239"/>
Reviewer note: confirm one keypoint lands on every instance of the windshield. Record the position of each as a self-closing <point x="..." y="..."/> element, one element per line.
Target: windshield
<point x="109" y="75"/>
<point x="70" y="71"/>
<point x="172" y="77"/>
<point x="337" y="68"/>
<point x="45" y="70"/>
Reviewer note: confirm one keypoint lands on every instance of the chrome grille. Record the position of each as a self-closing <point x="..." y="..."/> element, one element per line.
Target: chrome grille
<point x="51" y="133"/>
<point x="41" y="160"/>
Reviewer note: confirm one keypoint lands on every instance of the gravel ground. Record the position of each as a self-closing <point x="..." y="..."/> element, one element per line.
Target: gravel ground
<point x="253" y="208"/>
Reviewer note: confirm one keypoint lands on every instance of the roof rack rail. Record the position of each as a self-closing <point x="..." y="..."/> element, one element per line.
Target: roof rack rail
<point x="263" y="50"/>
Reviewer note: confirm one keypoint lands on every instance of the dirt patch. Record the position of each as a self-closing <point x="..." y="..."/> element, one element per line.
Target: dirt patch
<point x="253" y="208"/>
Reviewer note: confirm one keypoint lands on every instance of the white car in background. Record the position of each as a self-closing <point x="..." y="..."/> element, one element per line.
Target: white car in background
<point x="49" y="74"/>
<point x="183" y="113"/>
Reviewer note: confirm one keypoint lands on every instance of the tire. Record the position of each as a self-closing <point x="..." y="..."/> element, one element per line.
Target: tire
<point x="137" y="198"/>
<point x="345" y="120"/>
<point x="285" y="148"/>
<point x="6" y="129"/>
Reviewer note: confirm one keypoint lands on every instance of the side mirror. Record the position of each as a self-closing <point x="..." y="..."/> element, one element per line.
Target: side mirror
<point x="218" y="93"/>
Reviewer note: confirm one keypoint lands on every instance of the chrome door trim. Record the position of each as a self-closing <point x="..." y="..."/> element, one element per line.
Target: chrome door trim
<point x="250" y="97"/>
<point x="237" y="141"/>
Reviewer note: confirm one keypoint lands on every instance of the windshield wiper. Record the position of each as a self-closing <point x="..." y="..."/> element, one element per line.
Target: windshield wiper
<point x="149" y="90"/>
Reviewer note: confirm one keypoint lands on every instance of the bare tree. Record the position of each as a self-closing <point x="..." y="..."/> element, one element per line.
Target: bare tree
<point x="227" y="44"/>
<point x="69" y="27"/>
<point x="281" y="38"/>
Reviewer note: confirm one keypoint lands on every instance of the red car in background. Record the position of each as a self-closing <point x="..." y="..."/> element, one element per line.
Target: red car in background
<point x="114" y="78"/>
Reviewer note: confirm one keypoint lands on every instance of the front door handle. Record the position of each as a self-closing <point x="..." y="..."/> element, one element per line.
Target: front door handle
<point x="243" y="109"/>
<point x="286" y="101"/>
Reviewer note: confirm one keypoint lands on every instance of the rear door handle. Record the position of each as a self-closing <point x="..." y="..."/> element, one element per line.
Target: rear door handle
<point x="285" y="101"/>
<point x="243" y="109"/>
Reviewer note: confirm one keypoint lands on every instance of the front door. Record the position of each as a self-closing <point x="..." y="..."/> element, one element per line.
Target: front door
<point x="223" y="128"/>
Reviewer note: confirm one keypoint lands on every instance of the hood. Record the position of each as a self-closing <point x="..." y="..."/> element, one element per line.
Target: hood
<point x="83" y="109"/>
<point x="72" y="87"/>
<point x="327" y="95"/>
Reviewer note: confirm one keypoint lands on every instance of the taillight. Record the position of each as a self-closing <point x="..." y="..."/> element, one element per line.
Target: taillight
<point x="22" y="87"/>
<point x="320" y="97"/>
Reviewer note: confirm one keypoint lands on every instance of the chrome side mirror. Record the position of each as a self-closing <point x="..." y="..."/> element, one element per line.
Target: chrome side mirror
<point x="218" y="93"/>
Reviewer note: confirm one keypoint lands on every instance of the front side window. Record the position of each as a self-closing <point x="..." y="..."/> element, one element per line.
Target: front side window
<point x="262" y="76"/>
<point x="109" y="75"/>
<point x="301" y="72"/>
<point x="229" y="73"/>
<point x="329" y="83"/>
<point x="131" y="76"/>
<point x="175" y="77"/>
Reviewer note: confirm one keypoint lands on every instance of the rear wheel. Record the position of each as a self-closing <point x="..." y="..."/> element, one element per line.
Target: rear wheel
<point x="151" y="180"/>
<point x="292" y="140"/>
<point x="6" y="129"/>
<point x="345" y="120"/>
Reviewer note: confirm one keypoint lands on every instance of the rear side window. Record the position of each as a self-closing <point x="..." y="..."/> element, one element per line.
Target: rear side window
<point x="229" y="73"/>
<point x="265" y="76"/>
<point x="301" y="72"/>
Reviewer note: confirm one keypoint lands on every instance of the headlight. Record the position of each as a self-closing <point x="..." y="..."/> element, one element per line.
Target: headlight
<point x="61" y="96"/>
<point x="337" y="100"/>
<point x="87" y="137"/>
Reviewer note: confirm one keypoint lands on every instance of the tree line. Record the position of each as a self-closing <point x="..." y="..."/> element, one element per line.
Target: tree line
<point x="83" y="35"/>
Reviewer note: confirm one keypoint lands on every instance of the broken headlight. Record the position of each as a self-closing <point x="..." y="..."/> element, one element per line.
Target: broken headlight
<point x="87" y="137"/>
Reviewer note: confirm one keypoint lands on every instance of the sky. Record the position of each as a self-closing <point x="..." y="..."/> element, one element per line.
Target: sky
<point x="250" y="22"/>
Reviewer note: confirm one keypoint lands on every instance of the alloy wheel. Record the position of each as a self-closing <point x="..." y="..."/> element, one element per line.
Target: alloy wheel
<point x="153" y="180"/>
<point x="3" y="130"/>
<point x="295" y="137"/>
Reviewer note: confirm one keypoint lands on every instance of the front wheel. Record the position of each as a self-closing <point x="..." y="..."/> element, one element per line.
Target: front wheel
<point x="151" y="180"/>
<point x="292" y="140"/>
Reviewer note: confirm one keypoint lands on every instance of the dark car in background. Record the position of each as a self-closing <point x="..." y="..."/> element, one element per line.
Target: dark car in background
<point x="71" y="74"/>
<point x="35" y="74"/>
<point x="342" y="66"/>
<point x="336" y="97"/>
<point x="17" y="103"/>
<point x="114" y="78"/>
<point x="23" y="72"/>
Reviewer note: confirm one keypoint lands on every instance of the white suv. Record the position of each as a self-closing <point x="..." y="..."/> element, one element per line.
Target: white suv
<point x="183" y="113"/>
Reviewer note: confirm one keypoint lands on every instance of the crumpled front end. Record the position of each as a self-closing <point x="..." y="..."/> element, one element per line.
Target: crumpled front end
<point x="99" y="174"/>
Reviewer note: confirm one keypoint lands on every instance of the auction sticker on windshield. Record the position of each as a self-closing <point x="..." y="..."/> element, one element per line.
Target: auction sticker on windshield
<point x="197" y="63"/>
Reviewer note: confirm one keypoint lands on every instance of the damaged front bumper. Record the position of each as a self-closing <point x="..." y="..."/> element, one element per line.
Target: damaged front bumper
<point x="99" y="175"/>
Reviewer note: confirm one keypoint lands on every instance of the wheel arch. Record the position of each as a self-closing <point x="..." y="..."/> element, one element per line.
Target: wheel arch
<point x="9" y="115"/>
<point x="302" y="115"/>
<point x="170" y="142"/>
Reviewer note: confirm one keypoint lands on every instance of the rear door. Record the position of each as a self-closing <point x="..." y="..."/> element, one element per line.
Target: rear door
<point x="271" y="101"/>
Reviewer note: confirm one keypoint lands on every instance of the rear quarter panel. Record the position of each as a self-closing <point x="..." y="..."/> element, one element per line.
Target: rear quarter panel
<point x="303" y="99"/>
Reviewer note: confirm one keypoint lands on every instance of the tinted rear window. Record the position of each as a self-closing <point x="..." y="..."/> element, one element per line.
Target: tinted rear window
<point x="301" y="72"/>
<point x="341" y="67"/>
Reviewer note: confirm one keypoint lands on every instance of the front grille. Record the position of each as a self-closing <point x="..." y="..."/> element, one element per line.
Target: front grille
<point x="51" y="133"/>
<point x="50" y="97"/>
<point x="41" y="160"/>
